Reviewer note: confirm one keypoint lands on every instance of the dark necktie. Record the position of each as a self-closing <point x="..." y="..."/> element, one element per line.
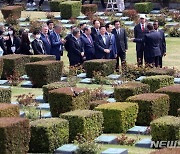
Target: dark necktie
<point x="143" y="27"/>
<point x="47" y="38"/>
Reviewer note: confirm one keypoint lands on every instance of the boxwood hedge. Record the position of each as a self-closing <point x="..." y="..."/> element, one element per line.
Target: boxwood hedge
<point x="48" y="134"/>
<point x="1" y="66"/>
<point x="5" y="95"/>
<point x="86" y="122"/>
<point x="118" y="117"/>
<point x="95" y="103"/>
<point x="35" y="58"/>
<point x="151" y="106"/>
<point x="9" y="110"/>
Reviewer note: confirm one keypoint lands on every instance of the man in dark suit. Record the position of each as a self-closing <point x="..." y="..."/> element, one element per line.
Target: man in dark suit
<point x="162" y="42"/>
<point x="76" y="54"/>
<point x="81" y="27"/>
<point x="103" y="44"/>
<point x="88" y="44"/>
<point x="50" y="24"/>
<point x="102" y="3"/>
<point x="57" y="42"/>
<point x="139" y="31"/>
<point x="37" y="44"/>
<point x="95" y="29"/>
<point x="45" y="39"/>
<point x="152" y="46"/>
<point x="113" y="53"/>
<point x="121" y="43"/>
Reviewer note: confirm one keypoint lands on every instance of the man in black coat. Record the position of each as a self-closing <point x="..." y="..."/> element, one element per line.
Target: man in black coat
<point x="95" y="29"/>
<point x="103" y="44"/>
<point x="162" y="42"/>
<point x="76" y="53"/>
<point x="139" y="31"/>
<point x="121" y="42"/>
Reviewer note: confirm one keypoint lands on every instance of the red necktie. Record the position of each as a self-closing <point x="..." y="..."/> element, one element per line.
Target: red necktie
<point x="143" y="27"/>
<point x="48" y="39"/>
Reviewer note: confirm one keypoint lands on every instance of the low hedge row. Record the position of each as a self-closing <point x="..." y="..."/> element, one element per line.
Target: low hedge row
<point x="14" y="63"/>
<point x="86" y="122"/>
<point x="158" y="81"/>
<point x="165" y="129"/>
<point x="55" y="5"/>
<point x="95" y="103"/>
<point x="123" y="91"/>
<point x="67" y="99"/>
<point x="89" y="8"/>
<point x="160" y="71"/>
<point x="151" y="106"/>
<point x="44" y="72"/>
<point x="144" y="7"/>
<point x="9" y="110"/>
<point x="118" y="117"/>
<point x="14" y="135"/>
<point x="105" y="66"/>
<point x="5" y="95"/>
<point x="70" y="9"/>
<point x="174" y="95"/>
<point x="48" y="134"/>
<point x="35" y="58"/>
<point x="1" y="66"/>
<point x="167" y="151"/>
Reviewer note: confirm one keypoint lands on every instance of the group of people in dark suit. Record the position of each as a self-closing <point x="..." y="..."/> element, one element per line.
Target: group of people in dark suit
<point x="150" y="43"/>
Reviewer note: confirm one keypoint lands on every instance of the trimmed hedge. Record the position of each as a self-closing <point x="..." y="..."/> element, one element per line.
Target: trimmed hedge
<point x="151" y="106"/>
<point x="158" y="81"/>
<point x="160" y="71"/>
<point x="55" y="5"/>
<point x="13" y="63"/>
<point x="118" y="117"/>
<point x="12" y="11"/>
<point x="67" y="99"/>
<point x="123" y="91"/>
<point x="145" y="7"/>
<point x="86" y="122"/>
<point x="48" y="134"/>
<point x="174" y="95"/>
<point x="9" y="110"/>
<point x="44" y="72"/>
<point x="70" y="9"/>
<point x="14" y="135"/>
<point x="1" y="66"/>
<point x="105" y="66"/>
<point x="35" y="58"/>
<point x="89" y="8"/>
<point x="52" y="86"/>
<point x="165" y="129"/>
<point x="95" y="103"/>
<point x="5" y="95"/>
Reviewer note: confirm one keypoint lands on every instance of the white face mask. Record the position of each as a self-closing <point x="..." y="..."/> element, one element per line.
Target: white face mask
<point x="10" y="32"/>
<point x="38" y="36"/>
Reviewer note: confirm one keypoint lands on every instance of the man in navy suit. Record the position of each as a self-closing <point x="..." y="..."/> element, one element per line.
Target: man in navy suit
<point x="113" y="53"/>
<point x="162" y="42"/>
<point x="121" y="43"/>
<point x="152" y="46"/>
<point x="139" y="31"/>
<point x="45" y="39"/>
<point x="103" y="44"/>
<point x="88" y="44"/>
<point x="56" y="42"/>
<point x="50" y="24"/>
<point x="76" y="53"/>
<point x="95" y="29"/>
<point x="81" y="27"/>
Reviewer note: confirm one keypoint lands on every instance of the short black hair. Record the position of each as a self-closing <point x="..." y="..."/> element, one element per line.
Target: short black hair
<point x="115" y="21"/>
<point x="95" y="21"/>
<point x="49" y="22"/>
<point x="107" y="25"/>
<point x="36" y="31"/>
<point x="150" y="26"/>
<point x="102" y="27"/>
<point x="73" y="26"/>
<point x="82" y="24"/>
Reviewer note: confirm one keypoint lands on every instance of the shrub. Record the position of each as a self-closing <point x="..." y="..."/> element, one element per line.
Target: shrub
<point x="5" y="95"/>
<point x="145" y="7"/>
<point x="85" y="122"/>
<point x="70" y="9"/>
<point x="123" y="91"/>
<point x="66" y="99"/>
<point x="118" y="117"/>
<point x="151" y="106"/>
<point x="9" y="110"/>
<point x="165" y="129"/>
<point x="174" y="32"/>
<point x="176" y="16"/>
<point x="178" y="112"/>
<point x="125" y="140"/>
<point x="14" y="79"/>
<point x="161" y="19"/>
<point x="89" y="8"/>
<point x="35" y="58"/>
<point x="55" y="5"/>
<point x="14" y="135"/>
<point x="94" y="104"/>
<point x="14" y="11"/>
<point x="161" y="71"/>
<point x="1" y="66"/>
<point x="105" y="66"/>
<point x="174" y="95"/>
<point x="14" y="63"/>
<point x="158" y="81"/>
<point x="44" y="72"/>
<point x="48" y="134"/>
<point x="167" y="151"/>
<point x="52" y="86"/>
<point x="132" y="14"/>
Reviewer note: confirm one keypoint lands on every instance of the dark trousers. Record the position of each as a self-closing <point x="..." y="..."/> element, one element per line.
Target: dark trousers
<point x="41" y="2"/>
<point x="153" y="61"/>
<point x="122" y="56"/>
<point x="140" y="55"/>
<point x="160" y="61"/>
<point x="102" y="3"/>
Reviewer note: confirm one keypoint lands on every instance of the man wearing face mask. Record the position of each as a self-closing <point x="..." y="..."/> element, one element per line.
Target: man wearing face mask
<point x="12" y="42"/>
<point x="37" y="44"/>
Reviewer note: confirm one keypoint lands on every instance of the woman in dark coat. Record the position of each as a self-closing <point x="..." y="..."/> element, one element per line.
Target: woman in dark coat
<point x="2" y="46"/>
